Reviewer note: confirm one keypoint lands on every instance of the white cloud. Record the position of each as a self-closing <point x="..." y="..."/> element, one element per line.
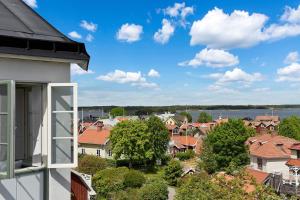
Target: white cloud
<point x="179" y="11"/>
<point x="90" y="26"/>
<point x="237" y="30"/>
<point x="133" y="78"/>
<point x="77" y="70"/>
<point x="89" y="38"/>
<point x="291" y="15"/>
<point x="153" y="73"/>
<point x="130" y="33"/>
<point x="236" y="75"/>
<point x="175" y="10"/>
<point x="289" y="73"/>
<point x="164" y="34"/>
<point x="212" y="58"/>
<point x="75" y="35"/>
<point x="265" y="89"/>
<point x="31" y="3"/>
<point x="292" y="57"/>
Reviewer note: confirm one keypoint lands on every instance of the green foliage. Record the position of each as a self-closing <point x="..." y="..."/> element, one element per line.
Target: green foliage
<point x="90" y="164"/>
<point x="134" y="179"/>
<point x="158" y="137"/>
<point x="172" y="172"/>
<point x="204" y="117"/>
<point x="290" y="127"/>
<point x="188" y="115"/>
<point x="109" y="180"/>
<point x="224" y="146"/>
<point x="118" y="111"/>
<point x="155" y="190"/>
<point x="186" y="155"/>
<point x="128" y="194"/>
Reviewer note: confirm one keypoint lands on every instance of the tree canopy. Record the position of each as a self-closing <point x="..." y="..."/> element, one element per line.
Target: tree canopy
<point x="290" y="127"/>
<point x="188" y="115"/>
<point x="90" y="164"/>
<point x="173" y="172"/>
<point x="224" y="146"/>
<point x="204" y="117"/>
<point x="118" y="111"/>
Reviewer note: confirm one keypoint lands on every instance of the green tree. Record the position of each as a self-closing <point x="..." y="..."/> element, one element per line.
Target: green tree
<point x="154" y="190"/>
<point x="158" y="138"/>
<point x="173" y="172"/>
<point x="290" y="127"/>
<point x="134" y="179"/>
<point x="188" y="115"/>
<point x="204" y="117"/>
<point x="224" y="146"/>
<point x="90" y="164"/>
<point x="131" y="140"/>
<point x="118" y="111"/>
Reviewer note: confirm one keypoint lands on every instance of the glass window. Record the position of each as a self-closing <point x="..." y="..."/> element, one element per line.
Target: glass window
<point x="259" y="163"/>
<point x="98" y="152"/>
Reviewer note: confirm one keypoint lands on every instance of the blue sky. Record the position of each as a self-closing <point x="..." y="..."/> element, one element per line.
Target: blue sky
<point x="147" y="52"/>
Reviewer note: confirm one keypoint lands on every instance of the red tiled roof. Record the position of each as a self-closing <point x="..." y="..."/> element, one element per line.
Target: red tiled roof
<point x="270" y="146"/>
<point x="295" y="146"/>
<point x="171" y="127"/>
<point x="293" y="162"/>
<point x="93" y="136"/>
<point x="183" y="141"/>
<point x="259" y="176"/>
<point x="267" y="118"/>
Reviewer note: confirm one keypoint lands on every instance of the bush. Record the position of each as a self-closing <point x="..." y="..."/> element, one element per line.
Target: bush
<point x="89" y="164"/>
<point x="156" y="190"/>
<point x="186" y="155"/>
<point x="173" y="172"/>
<point x="129" y="194"/>
<point x="109" y="180"/>
<point x="134" y="179"/>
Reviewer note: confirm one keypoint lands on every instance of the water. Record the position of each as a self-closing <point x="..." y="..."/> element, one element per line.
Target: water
<point x="252" y="113"/>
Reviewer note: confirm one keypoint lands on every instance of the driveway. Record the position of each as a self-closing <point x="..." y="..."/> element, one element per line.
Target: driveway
<point x="172" y="193"/>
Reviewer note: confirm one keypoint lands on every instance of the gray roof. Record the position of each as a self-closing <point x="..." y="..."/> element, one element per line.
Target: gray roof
<point x="18" y="22"/>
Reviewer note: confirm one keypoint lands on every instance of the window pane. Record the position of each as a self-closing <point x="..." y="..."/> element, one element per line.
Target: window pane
<point x="62" y="151"/>
<point x="3" y="98"/>
<point x="3" y="128"/>
<point x="62" y="98"/>
<point x="62" y="125"/>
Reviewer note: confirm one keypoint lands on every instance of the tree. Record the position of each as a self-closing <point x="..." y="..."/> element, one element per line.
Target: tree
<point x="290" y="127"/>
<point x="131" y="140"/>
<point x="90" y="164"/>
<point x="173" y="172"/>
<point x="134" y="179"/>
<point x="158" y="138"/>
<point x="154" y="190"/>
<point x="225" y="146"/>
<point x="118" y="111"/>
<point x="188" y="115"/>
<point x="204" y="117"/>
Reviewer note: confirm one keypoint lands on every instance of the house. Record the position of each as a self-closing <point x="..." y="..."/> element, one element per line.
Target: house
<point x="270" y="153"/>
<point x="173" y="130"/>
<point x="38" y="105"/>
<point x="177" y="120"/>
<point x="81" y="186"/>
<point x="183" y="143"/>
<point x="165" y="116"/>
<point x="95" y="141"/>
<point x="265" y="124"/>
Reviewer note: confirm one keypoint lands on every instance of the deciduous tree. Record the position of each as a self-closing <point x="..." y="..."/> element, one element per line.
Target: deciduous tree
<point x="204" y="117"/>
<point x="290" y="127"/>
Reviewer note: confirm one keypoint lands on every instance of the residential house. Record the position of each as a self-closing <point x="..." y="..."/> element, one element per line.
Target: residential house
<point x="173" y="130"/>
<point x="38" y="105"/>
<point x="177" y="120"/>
<point x="165" y="116"/>
<point x="270" y="153"/>
<point x="95" y="141"/>
<point x="81" y="186"/>
<point x="183" y="143"/>
<point x="265" y="124"/>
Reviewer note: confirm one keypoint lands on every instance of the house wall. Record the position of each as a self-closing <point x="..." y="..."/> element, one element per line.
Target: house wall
<point x="170" y="121"/>
<point x="91" y="149"/>
<point x="294" y="154"/>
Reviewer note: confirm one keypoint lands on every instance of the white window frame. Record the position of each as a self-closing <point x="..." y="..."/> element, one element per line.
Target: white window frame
<point x="98" y="150"/>
<point x="82" y="150"/>
<point x="75" y="124"/>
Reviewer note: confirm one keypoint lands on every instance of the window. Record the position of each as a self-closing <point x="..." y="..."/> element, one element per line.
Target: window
<point x="98" y="152"/>
<point x="259" y="163"/>
<point x="83" y="151"/>
<point x="109" y="153"/>
<point x="62" y="129"/>
<point x="298" y="154"/>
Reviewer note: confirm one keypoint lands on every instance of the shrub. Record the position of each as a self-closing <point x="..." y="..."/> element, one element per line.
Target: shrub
<point x="134" y="179"/>
<point x="155" y="190"/>
<point x="173" y="172"/>
<point x="90" y="164"/>
<point x="186" y="155"/>
<point x="109" y="180"/>
<point x="129" y="194"/>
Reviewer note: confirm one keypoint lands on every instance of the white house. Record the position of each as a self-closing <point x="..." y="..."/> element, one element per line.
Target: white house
<point x="38" y="105"/>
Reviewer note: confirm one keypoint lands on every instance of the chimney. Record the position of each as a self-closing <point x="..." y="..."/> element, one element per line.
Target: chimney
<point x="99" y="125"/>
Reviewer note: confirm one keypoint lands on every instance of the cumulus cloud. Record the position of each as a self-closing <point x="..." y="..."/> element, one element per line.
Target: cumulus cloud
<point x="179" y="11"/>
<point x="130" y="33"/>
<point x="89" y="38"/>
<point x="153" y="73"/>
<point x="77" y="70"/>
<point x="133" y="78"/>
<point x="164" y="34"/>
<point x="212" y="58"/>
<point x="292" y="57"/>
<point x="31" y="3"/>
<point x="291" y="15"/>
<point x="75" y="35"/>
<point x="289" y="73"/>
<point x="238" y="29"/>
<point x="90" y="26"/>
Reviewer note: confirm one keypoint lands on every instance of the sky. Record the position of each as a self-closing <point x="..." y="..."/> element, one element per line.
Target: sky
<point x="147" y="52"/>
